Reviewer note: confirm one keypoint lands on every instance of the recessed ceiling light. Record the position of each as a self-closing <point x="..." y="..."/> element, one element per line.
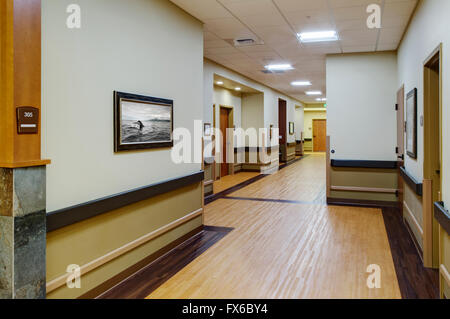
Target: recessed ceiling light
<point x="321" y="99"/>
<point x="319" y="36"/>
<point x="301" y="83"/>
<point x="279" y="67"/>
<point x="219" y="82"/>
<point x="237" y="89"/>
<point x="313" y="93"/>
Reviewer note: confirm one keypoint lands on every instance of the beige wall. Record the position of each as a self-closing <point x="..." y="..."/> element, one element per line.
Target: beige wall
<point x="120" y="46"/>
<point x="428" y="28"/>
<point x="253" y="110"/>
<point x="299" y="122"/>
<point x="308" y="121"/>
<point x="227" y="97"/>
<point x="361" y="93"/>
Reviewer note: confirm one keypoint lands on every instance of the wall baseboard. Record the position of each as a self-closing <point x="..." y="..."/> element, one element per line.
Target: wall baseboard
<point x="110" y="283"/>
<point x="94" y="264"/>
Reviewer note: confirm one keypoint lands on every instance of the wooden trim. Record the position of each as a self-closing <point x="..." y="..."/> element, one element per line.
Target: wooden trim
<point x="444" y="273"/>
<point x="442" y="216"/>
<point x="427" y="208"/>
<point x="112" y="282"/>
<point x="94" y="264"/>
<point x="203" y="181"/>
<point x="411" y="181"/>
<point x="25" y="164"/>
<point x="328" y="167"/>
<point x="413" y="218"/>
<point x="293" y="144"/>
<point x="71" y="215"/>
<point x="208" y="183"/>
<point x="364" y="164"/>
<point x="364" y="189"/>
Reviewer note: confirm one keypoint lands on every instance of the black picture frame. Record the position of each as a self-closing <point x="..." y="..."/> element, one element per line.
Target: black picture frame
<point x="411" y="124"/>
<point x="119" y="98"/>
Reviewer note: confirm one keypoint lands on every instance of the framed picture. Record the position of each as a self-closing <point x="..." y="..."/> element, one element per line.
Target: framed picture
<point x="207" y="129"/>
<point x="142" y="122"/>
<point x="291" y="128"/>
<point x="270" y="131"/>
<point x="411" y="124"/>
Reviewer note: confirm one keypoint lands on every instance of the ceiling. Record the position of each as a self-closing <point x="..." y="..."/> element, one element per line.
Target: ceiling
<point x="232" y="85"/>
<point x="276" y="22"/>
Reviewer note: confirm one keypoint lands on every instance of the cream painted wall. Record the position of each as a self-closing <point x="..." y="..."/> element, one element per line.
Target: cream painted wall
<point x="428" y="28"/>
<point x="299" y="122"/>
<point x="224" y="97"/>
<point x="120" y="46"/>
<point x="309" y="117"/>
<point x="270" y="96"/>
<point x="252" y="110"/>
<point x="361" y="93"/>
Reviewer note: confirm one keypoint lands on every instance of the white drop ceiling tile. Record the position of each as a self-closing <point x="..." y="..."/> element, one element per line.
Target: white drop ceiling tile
<point x="358" y="37"/>
<point x="359" y="48"/>
<point x="256" y="48"/>
<point x="222" y="50"/>
<point x="250" y="7"/>
<point x="255" y="21"/>
<point x="304" y="17"/>
<point x="387" y="46"/>
<point x="352" y="24"/>
<point x="391" y="35"/>
<point x="202" y="9"/>
<point x="228" y="28"/>
<point x="216" y="44"/>
<point x="399" y="8"/>
<point x="394" y="21"/>
<point x="276" y="35"/>
<point x="323" y="49"/>
<point x="311" y="26"/>
<point x="352" y="3"/>
<point x="298" y="5"/>
<point x="350" y="13"/>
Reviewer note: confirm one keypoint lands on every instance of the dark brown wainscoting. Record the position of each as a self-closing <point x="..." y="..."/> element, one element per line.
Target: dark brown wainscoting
<point x="415" y="281"/>
<point x="78" y="213"/>
<point x="149" y="278"/>
<point x="364" y="164"/>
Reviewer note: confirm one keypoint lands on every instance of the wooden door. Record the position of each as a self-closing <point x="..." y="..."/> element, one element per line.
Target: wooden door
<point x="282" y="130"/>
<point x="320" y="135"/>
<point x="224" y="124"/>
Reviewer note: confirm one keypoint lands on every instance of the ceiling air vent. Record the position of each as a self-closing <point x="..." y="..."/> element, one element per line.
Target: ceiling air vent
<point x="245" y="42"/>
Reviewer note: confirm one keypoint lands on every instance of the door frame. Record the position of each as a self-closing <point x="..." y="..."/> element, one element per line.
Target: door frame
<point x="321" y="120"/>
<point x="432" y="192"/>
<point x="230" y="125"/>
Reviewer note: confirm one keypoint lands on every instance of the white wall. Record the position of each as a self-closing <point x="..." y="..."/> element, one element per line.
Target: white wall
<point x="361" y="93"/>
<point x="309" y="117"/>
<point x="429" y="27"/>
<point x="147" y="47"/>
<point x="270" y="96"/>
<point x="253" y="110"/>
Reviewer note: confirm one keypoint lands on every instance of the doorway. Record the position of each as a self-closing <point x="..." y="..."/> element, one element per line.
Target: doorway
<point x="282" y="114"/>
<point x="432" y="128"/>
<point x="319" y="135"/>
<point x="225" y="123"/>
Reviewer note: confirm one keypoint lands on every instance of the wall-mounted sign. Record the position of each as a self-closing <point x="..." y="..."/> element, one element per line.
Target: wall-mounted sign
<point x="27" y="120"/>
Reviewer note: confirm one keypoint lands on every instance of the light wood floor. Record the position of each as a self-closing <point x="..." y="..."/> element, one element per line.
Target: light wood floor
<point x="232" y="180"/>
<point x="281" y="249"/>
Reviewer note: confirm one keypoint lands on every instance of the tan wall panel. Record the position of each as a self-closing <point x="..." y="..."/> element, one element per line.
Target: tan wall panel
<point x="85" y="241"/>
<point x="364" y="177"/>
<point x="414" y="203"/>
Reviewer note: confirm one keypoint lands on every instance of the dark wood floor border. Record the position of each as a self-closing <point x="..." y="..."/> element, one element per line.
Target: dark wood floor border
<point x="415" y="281"/>
<point x="110" y="283"/>
<point x="282" y="201"/>
<point x="361" y="203"/>
<point x="148" y="279"/>
<point x="71" y="215"/>
<point x="364" y="164"/>
<point x="416" y="186"/>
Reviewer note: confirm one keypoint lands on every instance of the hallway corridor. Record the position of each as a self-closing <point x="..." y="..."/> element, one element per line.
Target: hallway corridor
<point x="287" y="243"/>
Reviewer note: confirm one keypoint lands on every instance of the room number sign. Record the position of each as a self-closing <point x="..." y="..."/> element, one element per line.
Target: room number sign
<point x="27" y="120"/>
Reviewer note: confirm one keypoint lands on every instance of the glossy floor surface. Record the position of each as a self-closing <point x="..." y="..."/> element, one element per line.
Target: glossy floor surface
<point x="232" y="180"/>
<point x="287" y="243"/>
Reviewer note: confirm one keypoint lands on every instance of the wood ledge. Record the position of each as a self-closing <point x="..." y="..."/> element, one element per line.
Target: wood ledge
<point x="26" y="164"/>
